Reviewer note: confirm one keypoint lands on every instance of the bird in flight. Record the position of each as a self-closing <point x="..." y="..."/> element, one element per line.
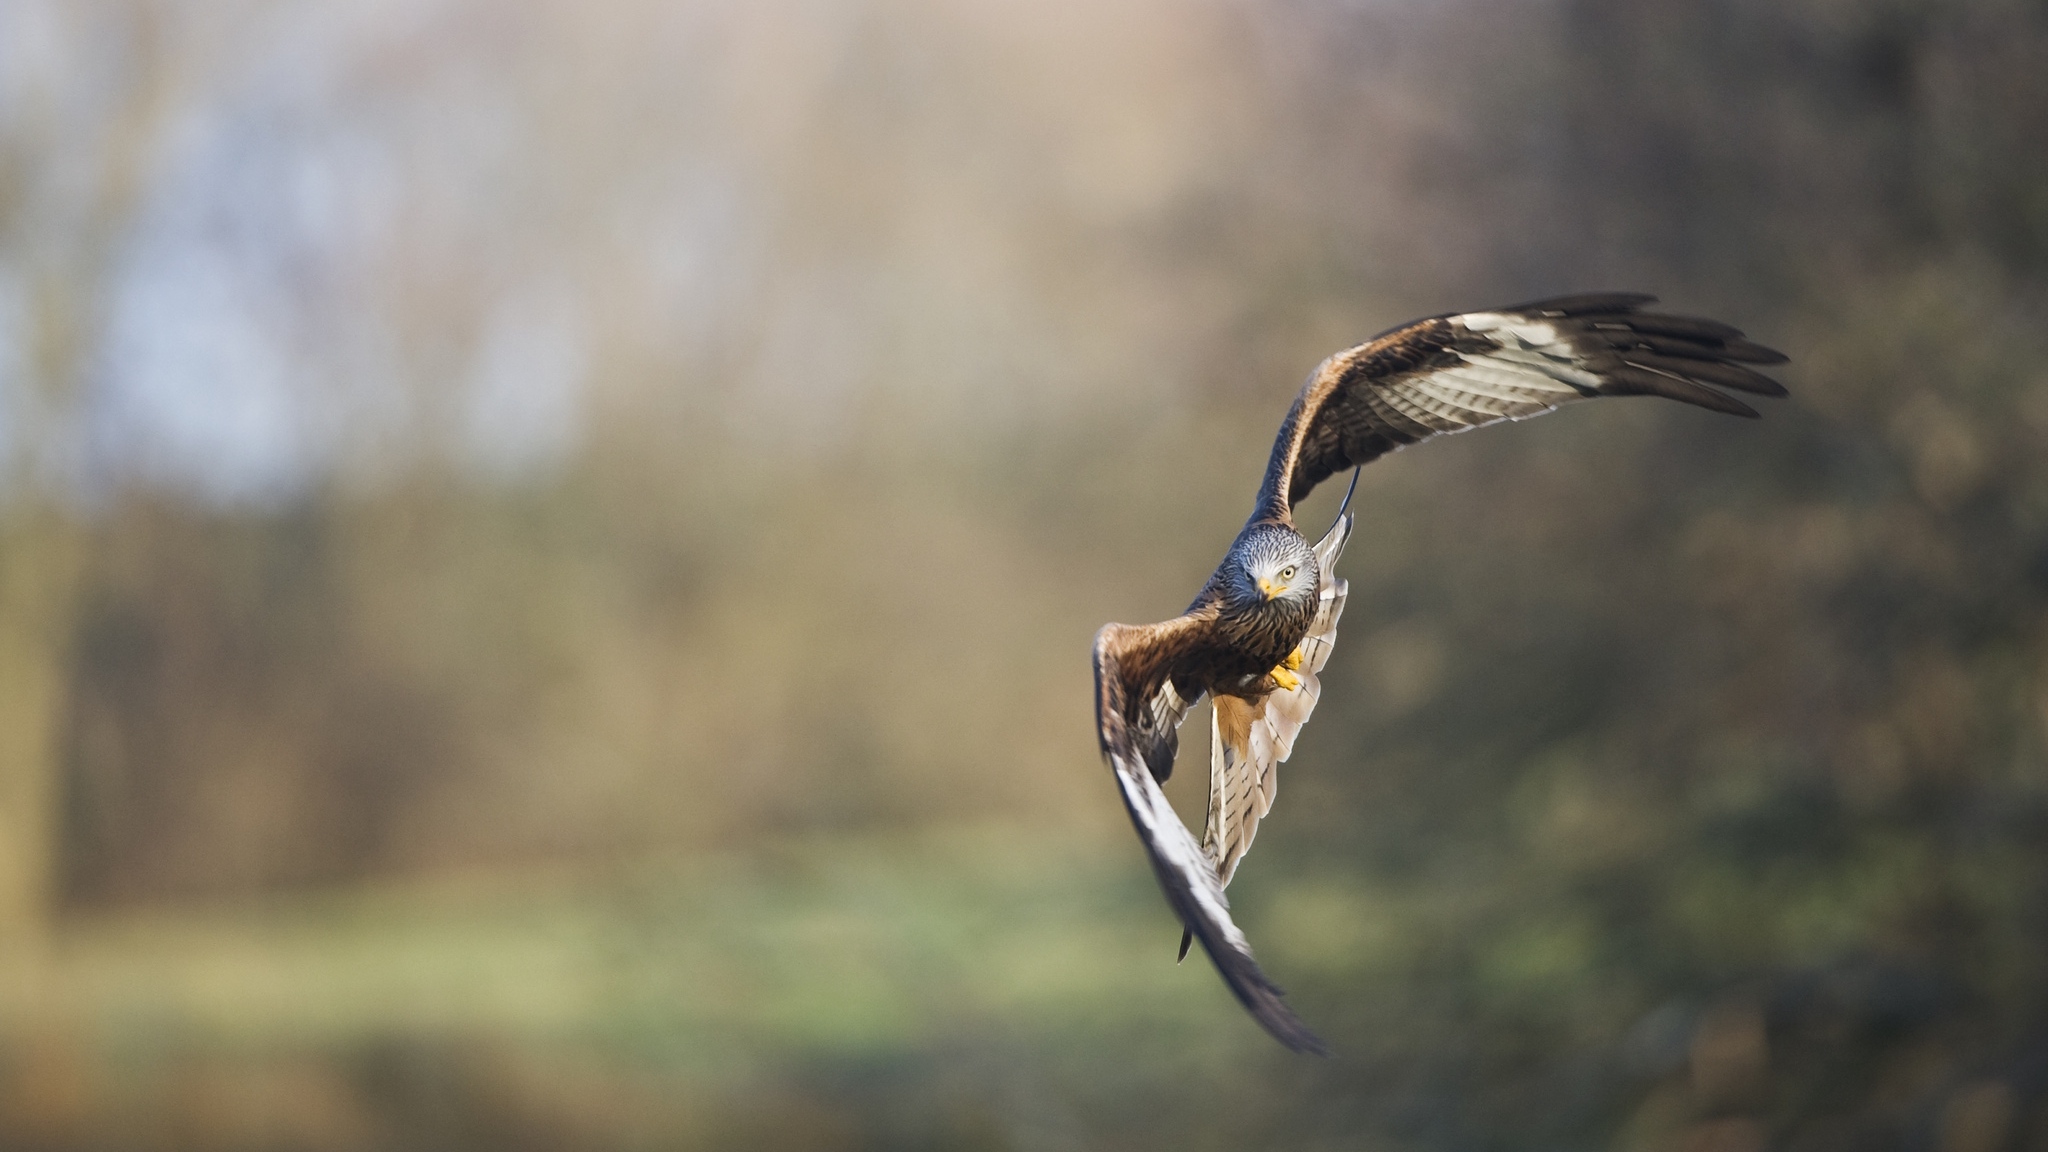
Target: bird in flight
<point x="1260" y="630"/>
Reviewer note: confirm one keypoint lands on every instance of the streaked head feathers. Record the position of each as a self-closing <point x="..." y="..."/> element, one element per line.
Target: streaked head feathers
<point x="1271" y="562"/>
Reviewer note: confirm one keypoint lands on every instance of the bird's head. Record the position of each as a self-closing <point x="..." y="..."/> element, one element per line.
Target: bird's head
<point x="1272" y="564"/>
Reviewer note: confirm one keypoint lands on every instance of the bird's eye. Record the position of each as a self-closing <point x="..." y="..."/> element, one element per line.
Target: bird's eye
<point x="1287" y="573"/>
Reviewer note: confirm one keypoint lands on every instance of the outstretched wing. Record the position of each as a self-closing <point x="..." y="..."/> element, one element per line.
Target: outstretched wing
<point x="1248" y="741"/>
<point x="1450" y="373"/>
<point x="1133" y="665"/>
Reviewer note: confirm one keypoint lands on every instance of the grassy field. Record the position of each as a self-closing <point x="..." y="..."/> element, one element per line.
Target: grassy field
<point x="663" y="1001"/>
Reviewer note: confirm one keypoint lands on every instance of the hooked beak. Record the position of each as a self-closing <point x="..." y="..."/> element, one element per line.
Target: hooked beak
<point x="1268" y="588"/>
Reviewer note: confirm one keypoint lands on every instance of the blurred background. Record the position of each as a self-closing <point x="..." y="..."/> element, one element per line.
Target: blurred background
<point x="548" y="552"/>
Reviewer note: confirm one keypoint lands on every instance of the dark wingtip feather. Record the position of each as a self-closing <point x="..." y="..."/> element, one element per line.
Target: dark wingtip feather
<point x="1584" y="303"/>
<point x="1683" y="327"/>
<point x="1283" y="1025"/>
<point x="1630" y="380"/>
<point x="1308" y="1044"/>
<point x="1708" y="372"/>
<point x="1187" y="940"/>
<point x="1261" y="997"/>
<point x="1749" y="353"/>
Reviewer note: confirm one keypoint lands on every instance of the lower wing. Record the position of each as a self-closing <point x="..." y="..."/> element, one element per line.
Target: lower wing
<point x="1130" y="668"/>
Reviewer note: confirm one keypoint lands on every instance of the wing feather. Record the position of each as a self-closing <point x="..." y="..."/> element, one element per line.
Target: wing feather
<point x="1450" y="373"/>
<point x="1132" y="665"/>
<point x="1248" y="741"/>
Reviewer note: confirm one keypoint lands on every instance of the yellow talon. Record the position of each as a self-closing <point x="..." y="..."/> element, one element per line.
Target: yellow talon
<point x="1287" y="680"/>
<point x="1293" y="661"/>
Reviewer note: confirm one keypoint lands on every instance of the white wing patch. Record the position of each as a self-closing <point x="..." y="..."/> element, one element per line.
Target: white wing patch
<point x="1173" y="849"/>
<point x="1530" y="370"/>
<point x="1168" y="709"/>
<point x="1249" y="741"/>
<point x="1506" y="327"/>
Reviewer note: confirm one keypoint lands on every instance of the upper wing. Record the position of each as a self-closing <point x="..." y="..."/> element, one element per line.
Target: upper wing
<point x="1450" y="373"/>
<point x="1132" y="665"/>
<point x="1247" y="741"/>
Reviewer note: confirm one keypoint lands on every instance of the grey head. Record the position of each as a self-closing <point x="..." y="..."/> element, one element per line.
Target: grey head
<point x="1268" y="564"/>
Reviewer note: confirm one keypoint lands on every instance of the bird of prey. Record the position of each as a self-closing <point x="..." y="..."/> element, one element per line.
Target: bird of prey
<point x="1259" y="631"/>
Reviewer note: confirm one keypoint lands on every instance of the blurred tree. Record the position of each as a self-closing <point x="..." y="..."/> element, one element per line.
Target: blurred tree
<point x="77" y="155"/>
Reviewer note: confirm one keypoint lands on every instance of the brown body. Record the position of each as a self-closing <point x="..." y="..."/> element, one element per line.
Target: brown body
<point x="1225" y="653"/>
<point x="1241" y="648"/>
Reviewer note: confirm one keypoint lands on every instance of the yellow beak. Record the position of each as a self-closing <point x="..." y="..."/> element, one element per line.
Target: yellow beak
<point x="1269" y="588"/>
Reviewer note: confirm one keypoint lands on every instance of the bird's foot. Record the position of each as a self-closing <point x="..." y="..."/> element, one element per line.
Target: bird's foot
<point x="1293" y="661"/>
<point x="1283" y="673"/>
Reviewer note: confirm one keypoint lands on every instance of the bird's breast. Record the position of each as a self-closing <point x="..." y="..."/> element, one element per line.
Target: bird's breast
<point x="1252" y="643"/>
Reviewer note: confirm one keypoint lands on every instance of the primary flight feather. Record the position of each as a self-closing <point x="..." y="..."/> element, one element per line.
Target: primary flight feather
<point x="1258" y="633"/>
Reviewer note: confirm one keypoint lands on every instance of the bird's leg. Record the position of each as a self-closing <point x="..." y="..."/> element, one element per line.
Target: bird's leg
<point x="1283" y="673"/>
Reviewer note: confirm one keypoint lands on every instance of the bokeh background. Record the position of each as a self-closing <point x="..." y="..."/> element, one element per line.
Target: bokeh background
<point x="548" y="552"/>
